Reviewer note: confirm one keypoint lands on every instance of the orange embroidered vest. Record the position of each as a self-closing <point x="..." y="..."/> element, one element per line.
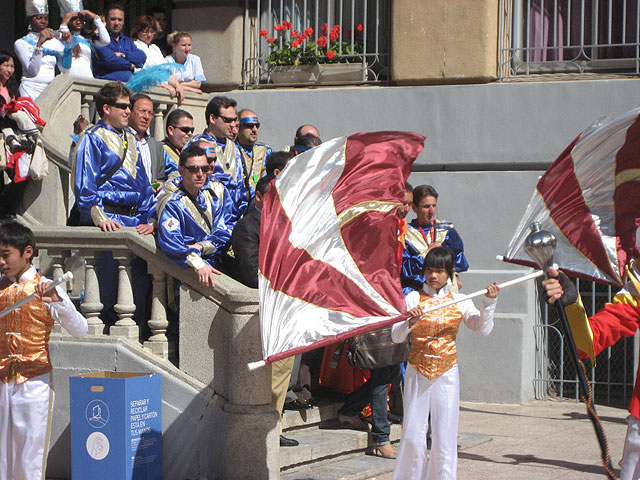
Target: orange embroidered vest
<point x="24" y="333"/>
<point x="433" y="338"/>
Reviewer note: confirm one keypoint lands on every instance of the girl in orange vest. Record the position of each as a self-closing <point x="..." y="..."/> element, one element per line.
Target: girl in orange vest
<point x="432" y="381"/>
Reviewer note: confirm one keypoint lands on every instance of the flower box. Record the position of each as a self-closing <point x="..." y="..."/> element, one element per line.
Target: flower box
<point x="332" y="73"/>
<point x="292" y="74"/>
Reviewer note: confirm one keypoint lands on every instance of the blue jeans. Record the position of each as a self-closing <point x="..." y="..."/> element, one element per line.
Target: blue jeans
<point x="374" y="392"/>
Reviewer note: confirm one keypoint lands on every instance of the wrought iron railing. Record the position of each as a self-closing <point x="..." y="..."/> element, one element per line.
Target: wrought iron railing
<point x="569" y="36"/>
<point x="613" y="378"/>
<point x="360" y="30"/>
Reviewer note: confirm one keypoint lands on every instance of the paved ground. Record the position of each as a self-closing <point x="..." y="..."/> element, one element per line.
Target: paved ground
<point x="539" y="440"/>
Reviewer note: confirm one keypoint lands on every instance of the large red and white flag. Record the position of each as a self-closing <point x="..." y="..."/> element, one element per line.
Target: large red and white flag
<point x="589" y="198"/>
<point x="328" y="242"/>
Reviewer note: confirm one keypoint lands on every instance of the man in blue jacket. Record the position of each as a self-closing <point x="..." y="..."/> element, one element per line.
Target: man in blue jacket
<point x="117" y="60"/>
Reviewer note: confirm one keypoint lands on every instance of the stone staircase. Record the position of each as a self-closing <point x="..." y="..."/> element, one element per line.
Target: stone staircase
<point x="327" y="451"/>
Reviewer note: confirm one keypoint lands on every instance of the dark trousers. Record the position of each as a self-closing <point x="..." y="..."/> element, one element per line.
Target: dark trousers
<point x="374" y="392"/>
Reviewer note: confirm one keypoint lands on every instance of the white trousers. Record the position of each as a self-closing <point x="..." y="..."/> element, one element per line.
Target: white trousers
<point x="630" y="463"/>
<point x="440" y="397"/>
<point x="25" y="415"/>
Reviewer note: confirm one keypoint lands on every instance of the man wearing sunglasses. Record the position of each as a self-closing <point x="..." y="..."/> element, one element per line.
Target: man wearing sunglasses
<point x="222" y="121"/>
<point x="254" y="153"/>
<point x="179" y="129"/>
<point x="110" y="182"/>
<point x="191" y="228"/>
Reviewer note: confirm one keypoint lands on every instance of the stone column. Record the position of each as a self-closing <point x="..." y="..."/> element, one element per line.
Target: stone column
<point x="125" y="308"/>
<point x="57" y="270"/>
<point x="158" y="323"/>
<point x="91" y="305"/>
<point x="85" y="105"/>
<point x="158" y="121"/>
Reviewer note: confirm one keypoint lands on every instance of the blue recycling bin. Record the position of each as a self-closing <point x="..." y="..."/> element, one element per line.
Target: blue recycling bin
<point x="116" y="426"/>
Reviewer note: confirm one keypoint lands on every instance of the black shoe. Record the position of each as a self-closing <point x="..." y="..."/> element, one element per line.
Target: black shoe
<point x="297" y="405"/>
<point x="393" y="418"/>
<point x="288" y="442"/>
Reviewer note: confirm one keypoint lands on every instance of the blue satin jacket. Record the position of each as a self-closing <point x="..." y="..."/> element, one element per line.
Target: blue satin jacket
<point x="181" y="224"/>
<point x="416" y="247"/>
<point x="239" y="176"/>
<point x="98" y="153"/>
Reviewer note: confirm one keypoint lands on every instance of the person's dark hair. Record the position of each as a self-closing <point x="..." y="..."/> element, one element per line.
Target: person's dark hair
<point x="439" y="257"/>
<point x="174" y="117"/>
<point x="13" y="84"/>
<point x="16" y="235"/>
<point x="263" y="184"/>
<point x="308" y="140"/>
<point x="155" y="10"/>
<point x="215" y="104"/>
<point x="408" y="187"/>
<point x="140" y="96"/>
<point x="422" y="191"/>
<point x="142" y="23"/>
<point x="277" y="161"/>
<point x="190" y="152"/>
<point x="109" y="94"/>
<point x="113" y="6"/>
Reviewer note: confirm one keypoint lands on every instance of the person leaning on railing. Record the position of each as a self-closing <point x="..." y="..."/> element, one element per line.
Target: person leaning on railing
<point x="192" y="76"/>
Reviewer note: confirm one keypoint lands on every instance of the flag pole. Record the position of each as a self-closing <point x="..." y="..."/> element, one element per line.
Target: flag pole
<point x="540" y="245"/>
<point x="65" y="277"/>
<point x="538" y="273"/>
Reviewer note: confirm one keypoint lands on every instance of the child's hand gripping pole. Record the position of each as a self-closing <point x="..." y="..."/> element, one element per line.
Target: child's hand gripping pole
<point x="65" y="277"/>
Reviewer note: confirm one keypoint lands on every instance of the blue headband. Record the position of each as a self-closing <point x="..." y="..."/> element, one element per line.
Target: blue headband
<point x="302" y="148"/>
<point x="249" y="120"/>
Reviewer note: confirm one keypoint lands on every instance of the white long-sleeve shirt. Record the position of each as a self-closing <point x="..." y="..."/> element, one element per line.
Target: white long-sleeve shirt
<point x="480" y="322"/>
<point x="38" y="69"/>
<point x="81" y="65"/>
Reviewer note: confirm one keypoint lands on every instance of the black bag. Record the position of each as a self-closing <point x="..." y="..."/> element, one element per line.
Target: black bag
<point x="375" y="349"/>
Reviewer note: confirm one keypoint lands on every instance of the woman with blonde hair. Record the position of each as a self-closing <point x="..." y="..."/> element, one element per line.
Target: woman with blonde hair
<point x="192" y="76"/>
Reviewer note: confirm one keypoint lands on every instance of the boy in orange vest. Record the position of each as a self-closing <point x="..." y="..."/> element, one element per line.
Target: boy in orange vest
<point x="26" y="395"/>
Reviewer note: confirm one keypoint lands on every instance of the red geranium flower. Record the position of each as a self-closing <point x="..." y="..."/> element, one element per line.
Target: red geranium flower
<point x="264" y="33"/>
<point x="271" y="39"/>
<point x="322" y="41"/>
<point x="296" y="43"/>
<point x="359" y="28"/>
<point x="295" y="33"/>
<point x="333" y="35"/>
<point x="277" y="27"/>
<point x="287" y="25"/>
<point x="324" y="28"/>
<point x="308" y="32"/>
<point x="331" y="54"/>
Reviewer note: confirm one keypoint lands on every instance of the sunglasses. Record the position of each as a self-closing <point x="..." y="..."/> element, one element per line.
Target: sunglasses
<point x="228" y="119"/>
<point x="202" y="168"/>
<point x="121" y="106"/>
<point x="250" y="125"/>
<point x="185" y="129"/>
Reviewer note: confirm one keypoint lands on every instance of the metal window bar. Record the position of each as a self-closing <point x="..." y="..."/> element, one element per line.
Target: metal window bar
<point x="568" y="36"/>
<point x="613" y="379"/>
<point x="370" y="65"/>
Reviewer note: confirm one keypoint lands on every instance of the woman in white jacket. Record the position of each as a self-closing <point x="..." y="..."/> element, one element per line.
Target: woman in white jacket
<point x="87" y="31"/>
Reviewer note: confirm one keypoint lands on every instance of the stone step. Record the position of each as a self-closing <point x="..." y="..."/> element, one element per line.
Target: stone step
<point x="326" y="441"/>
<point x="358" y="468"/>
<point x="325" y="412"/>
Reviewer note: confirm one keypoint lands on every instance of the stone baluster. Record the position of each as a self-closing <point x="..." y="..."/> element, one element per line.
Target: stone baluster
<point x="158" y="121"/>
<point x="158" y="323"/>
<point x="85" y="105"/>
<point x="57" y="270"/>
<point x="91" y="305"/>
<point x="125" y="308"/>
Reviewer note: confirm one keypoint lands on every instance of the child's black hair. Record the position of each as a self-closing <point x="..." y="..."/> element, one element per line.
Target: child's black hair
<point x="439" y="257"/>
<point x="17" y="235"/>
